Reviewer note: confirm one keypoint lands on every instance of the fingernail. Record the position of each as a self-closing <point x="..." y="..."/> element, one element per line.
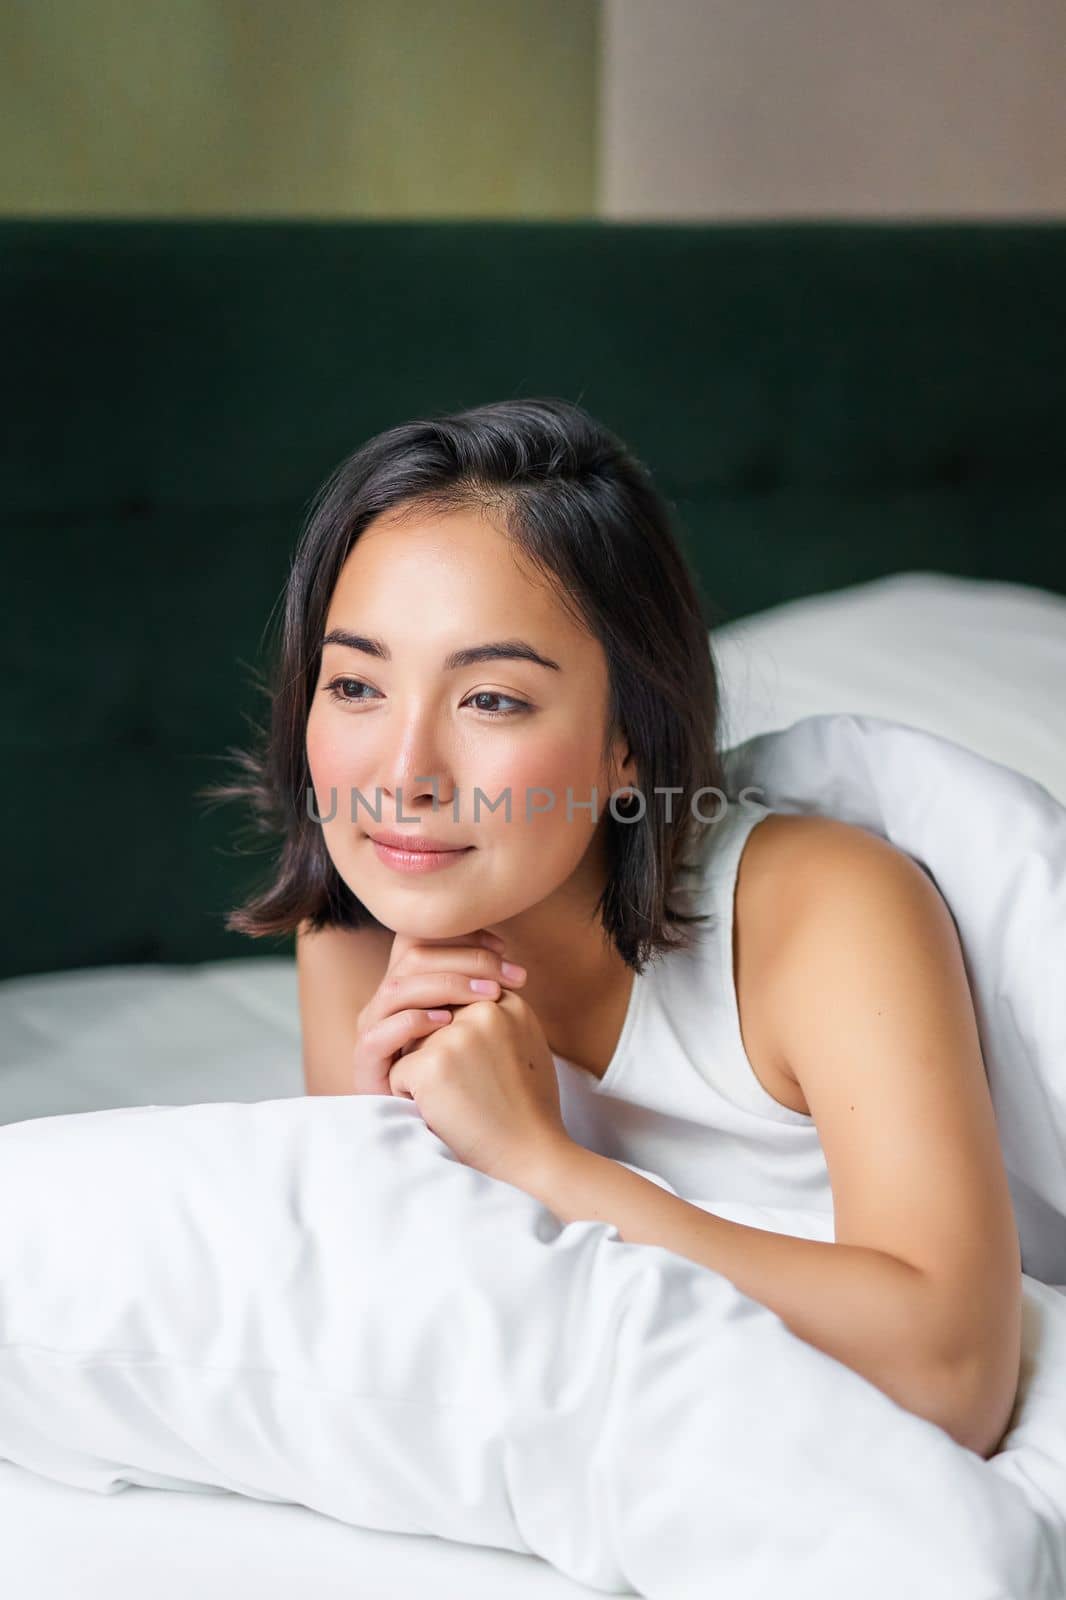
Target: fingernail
<point x="439" y="1016"/>
<point x="511" y="969"/>
<point x="484" y="985"/>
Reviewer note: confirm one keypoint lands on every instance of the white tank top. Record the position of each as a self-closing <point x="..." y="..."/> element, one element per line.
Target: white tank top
<point x="679" y="1098"/>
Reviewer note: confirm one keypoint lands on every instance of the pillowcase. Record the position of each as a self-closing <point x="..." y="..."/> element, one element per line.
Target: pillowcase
<point x="981" y="663"/>
<point x="312" y="1300"/>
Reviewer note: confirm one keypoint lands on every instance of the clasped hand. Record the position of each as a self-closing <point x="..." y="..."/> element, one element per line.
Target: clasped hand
<point x="485" y="1081"/>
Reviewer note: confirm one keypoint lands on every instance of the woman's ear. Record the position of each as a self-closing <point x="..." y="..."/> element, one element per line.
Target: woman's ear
<point x="623" y="763"/>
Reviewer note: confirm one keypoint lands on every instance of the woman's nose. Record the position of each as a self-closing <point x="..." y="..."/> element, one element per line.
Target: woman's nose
<point x="415" y="763"/>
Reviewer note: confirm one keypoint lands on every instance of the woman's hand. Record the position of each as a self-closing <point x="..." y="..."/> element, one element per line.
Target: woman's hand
<point x="423" y="975"/>
<point x="487" y="1086"/>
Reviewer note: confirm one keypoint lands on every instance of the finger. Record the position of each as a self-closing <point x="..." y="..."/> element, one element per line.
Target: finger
<point x="475" y="961"/>
<point x="399" y="1083"/>
<point x="424" y="989"/>
<point x="379" y="1045"/>
<point x="403" y="943"/>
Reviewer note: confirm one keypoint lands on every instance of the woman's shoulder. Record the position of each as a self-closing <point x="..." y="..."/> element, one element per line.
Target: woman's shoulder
<point x="799" y="877"/>
<point x="792" y="864"/>
<point x="795" y="850"/>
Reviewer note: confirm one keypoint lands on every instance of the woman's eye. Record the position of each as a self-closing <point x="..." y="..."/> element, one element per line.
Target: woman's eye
<point x="337" y="690"/>
<point x="493" y="694"/>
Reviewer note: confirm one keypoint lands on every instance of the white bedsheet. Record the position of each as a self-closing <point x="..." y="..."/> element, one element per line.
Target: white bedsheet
<point x="62" y="1543"/>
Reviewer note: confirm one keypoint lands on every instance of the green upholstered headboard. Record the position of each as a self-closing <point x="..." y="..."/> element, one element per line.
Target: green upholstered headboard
<point x="822" y="403"/>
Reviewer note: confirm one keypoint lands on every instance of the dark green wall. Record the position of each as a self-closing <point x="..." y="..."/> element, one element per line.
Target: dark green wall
<point x="820" y="404"/>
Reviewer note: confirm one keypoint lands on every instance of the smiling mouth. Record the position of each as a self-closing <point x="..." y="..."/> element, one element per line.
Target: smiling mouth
<point x="418" y="860"/>
<point x="413" y="846"/>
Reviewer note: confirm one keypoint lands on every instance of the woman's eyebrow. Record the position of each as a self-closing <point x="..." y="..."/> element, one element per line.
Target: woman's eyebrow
<point x="494" y="650"/>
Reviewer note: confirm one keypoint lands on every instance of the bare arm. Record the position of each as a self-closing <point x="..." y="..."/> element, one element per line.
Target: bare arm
<point x="921" y="1291"/>
<point x="337" y="970"/>
<point x="861" y="1306"/>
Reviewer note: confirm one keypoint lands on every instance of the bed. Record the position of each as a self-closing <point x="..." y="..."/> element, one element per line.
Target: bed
<point x="867" y="460"/>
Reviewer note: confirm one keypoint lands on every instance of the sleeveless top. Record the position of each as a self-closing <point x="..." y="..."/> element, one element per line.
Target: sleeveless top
<point x="680" y="1100"/>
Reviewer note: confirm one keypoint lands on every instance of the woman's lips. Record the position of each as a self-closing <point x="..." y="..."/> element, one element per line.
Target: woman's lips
<point x="418" y="860"/>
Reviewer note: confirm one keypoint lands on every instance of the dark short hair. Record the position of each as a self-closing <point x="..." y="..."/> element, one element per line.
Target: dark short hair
<point x="584" y="511"/>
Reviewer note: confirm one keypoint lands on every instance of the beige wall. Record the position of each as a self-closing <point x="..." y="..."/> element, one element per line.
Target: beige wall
<point x="540" y="108"/>
<point x="298" y="107"/>
<point x="748" y="108"/>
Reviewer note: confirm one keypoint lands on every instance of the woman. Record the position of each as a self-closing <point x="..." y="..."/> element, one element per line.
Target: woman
<point x="492" y="646"/>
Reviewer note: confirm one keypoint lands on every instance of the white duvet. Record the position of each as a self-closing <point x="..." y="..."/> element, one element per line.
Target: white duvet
<point x="311" y="1300"/>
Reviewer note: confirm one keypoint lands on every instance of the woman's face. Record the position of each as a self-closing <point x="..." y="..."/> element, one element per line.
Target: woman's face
<point x="390" y="714"/>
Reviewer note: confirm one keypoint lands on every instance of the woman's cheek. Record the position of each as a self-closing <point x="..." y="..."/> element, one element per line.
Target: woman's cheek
<point x="331" y="783"/>
<point x="329" y="764"/>
<point x="329" y="747"/>
<point x="538" y="779"/>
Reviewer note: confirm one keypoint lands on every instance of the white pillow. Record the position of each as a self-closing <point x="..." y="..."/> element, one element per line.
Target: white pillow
<point x="312" y="1300"/>
<point x="979" y="662"/>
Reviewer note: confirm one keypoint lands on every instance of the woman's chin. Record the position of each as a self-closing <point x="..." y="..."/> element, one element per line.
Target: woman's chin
<point x="438" y="930"/>
<point x="442" y="926"/>
<point x="424" y="915"/>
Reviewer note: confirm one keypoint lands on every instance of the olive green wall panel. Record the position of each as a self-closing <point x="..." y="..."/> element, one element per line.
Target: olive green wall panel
<point x="325" y="108"/>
